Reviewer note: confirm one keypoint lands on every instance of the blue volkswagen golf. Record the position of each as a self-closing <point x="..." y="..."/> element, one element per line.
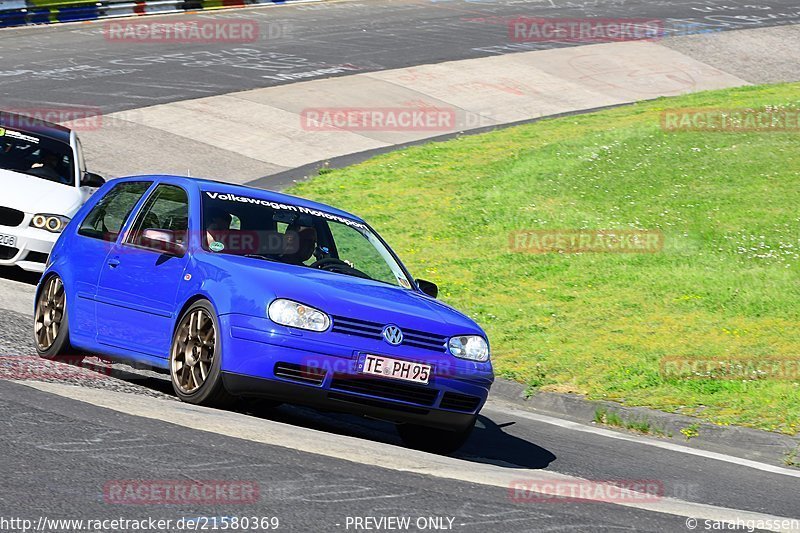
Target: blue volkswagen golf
<point x="239" y="292"/>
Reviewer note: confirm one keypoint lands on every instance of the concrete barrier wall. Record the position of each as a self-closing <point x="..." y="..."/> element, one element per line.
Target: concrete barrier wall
<point x="29" y="12"/>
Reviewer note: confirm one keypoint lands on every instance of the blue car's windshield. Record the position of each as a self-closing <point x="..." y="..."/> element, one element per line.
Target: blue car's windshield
<point x="290" y="234"/>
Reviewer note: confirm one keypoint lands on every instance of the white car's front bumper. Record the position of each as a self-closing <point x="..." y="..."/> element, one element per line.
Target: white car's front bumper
<point x="31" y="249"/>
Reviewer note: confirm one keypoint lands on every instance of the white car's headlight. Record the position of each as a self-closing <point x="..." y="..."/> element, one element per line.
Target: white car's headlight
<point x="297" y="315"/>
<point x="51" y="223"/>
<point x="472" y="347"/>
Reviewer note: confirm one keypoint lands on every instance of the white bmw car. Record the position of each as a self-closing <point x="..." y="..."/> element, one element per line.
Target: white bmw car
<point x="44" y="182"/>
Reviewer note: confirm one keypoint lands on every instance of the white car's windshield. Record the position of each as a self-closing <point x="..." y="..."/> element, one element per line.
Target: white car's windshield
<point x="35" y="155"/>
<point x="294" y="235"/>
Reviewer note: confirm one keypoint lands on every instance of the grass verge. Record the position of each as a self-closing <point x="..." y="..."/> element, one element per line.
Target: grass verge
<point x="613" y="419"/>
<point x="725" y="285"/>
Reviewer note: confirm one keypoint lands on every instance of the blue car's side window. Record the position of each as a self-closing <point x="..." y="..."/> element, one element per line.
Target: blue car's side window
<point x="107" y="218"/>
<point x="167" y="211"/>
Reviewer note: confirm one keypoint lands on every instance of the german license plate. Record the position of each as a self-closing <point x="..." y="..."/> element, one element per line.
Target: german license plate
<point x="387" y="367"/>
<point x="8" y="240"/>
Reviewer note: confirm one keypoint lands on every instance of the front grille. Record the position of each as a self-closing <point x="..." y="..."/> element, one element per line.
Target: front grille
<point x="7" y="252"/>
<point x="299" y="373"/>
<point x="391" y="390"/>
<point x="352" y="326"/>
<point x="36" y="257"/>
<point x="459" y="402"/>
<point x="11" y="217"/>
<point x="420" y="339"/>
<point x="374" y="330"/>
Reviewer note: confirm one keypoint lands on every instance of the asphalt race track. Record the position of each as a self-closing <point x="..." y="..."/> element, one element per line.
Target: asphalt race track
<point x="59" y="454"/>
<point x="64" y="439"/>
<point x="307" y="492"/>
<point x="76" y="65"/>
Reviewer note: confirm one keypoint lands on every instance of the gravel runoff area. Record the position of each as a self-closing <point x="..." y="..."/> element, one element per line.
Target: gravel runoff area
<point x="18" y="361"/>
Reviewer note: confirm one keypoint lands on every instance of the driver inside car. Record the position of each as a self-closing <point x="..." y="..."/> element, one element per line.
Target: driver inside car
<point x="48" y="168"/>
<point x="306" y="244"/>
<point x="218" y="227"/>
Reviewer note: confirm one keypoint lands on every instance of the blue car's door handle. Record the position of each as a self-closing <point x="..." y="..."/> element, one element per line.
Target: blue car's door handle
<point x="113" y="263"/>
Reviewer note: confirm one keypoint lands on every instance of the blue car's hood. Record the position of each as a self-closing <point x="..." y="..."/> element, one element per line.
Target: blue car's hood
<point x="347" y="296"/>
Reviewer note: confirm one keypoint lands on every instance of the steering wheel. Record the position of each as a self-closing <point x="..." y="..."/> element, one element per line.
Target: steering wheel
<point x="333" y="264"/>
<point x="328" y="262"/>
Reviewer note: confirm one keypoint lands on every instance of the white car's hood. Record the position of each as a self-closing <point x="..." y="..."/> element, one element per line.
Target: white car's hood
<point x="37" y="195"/>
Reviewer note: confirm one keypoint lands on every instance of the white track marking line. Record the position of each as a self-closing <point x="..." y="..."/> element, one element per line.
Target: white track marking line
<point x="509" y="409"/>
<point x="375" y="453"/>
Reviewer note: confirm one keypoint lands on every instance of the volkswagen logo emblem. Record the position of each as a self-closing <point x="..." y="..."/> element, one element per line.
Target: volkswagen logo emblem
<point x="393" y="335"/>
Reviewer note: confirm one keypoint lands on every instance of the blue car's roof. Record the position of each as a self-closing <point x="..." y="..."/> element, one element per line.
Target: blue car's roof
<point x="34" y="125"/>
<point x="261" y="194"/>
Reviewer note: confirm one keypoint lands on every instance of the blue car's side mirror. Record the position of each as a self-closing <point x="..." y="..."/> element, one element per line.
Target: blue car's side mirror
<point x="162" y="240"/>
<point x="428" y="288"/>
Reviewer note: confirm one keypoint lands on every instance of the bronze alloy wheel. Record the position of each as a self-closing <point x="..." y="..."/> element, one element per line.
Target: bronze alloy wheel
<point x="49" y="313"/>
<point x="193" y="351"/>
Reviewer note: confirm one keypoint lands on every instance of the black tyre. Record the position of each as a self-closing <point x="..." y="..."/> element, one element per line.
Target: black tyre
<point x="195" y="358"/>
<point x="51" y="324"/>
<point x="434" y="440"/>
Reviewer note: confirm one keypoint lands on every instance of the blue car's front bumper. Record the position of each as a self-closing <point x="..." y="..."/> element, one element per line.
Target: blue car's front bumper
<point x="263" y="361"/>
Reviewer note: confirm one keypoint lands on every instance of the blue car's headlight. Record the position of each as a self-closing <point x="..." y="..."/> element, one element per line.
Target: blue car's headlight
<point x="297" y="315"/>
<point x="472" y="347"/>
